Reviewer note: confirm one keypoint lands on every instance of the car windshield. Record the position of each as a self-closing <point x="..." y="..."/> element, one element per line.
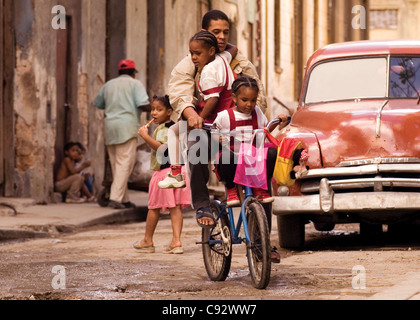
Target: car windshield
<point x="404" y="79"/>
<point x="348" y="79"/>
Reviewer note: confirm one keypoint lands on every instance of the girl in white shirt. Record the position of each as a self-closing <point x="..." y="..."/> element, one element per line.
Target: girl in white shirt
<point x="215" y="85"/>
<point x="240" y="122"/>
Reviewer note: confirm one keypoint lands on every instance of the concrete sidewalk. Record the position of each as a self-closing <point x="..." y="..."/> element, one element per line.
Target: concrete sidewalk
<point x="408" y="289"/>
<point x="33" y="220"/>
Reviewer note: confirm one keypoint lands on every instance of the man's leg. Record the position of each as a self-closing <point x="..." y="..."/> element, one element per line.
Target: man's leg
<point x="199" y="152"/>
<point x="198" y="160"/>
<point x="122" y="158"/>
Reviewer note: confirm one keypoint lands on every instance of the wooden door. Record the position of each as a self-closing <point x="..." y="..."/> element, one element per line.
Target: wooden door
<point x="156" y="47"/>
<point x="1" y="95"/>
<point x="7" y="129"/>
<point x="62" y="93"/>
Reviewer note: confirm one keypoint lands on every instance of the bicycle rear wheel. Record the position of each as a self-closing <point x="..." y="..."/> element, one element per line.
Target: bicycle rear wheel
<point x="258" y="251"/>
<point x="217" y="246"/>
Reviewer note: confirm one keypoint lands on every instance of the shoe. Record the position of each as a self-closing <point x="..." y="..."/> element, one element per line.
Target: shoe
<point x="274" y="255"/>
<point x="141" y="249"/>
<point x="129" y="205"/>
<point x="171" y="181"/>
<point x="116" y="205"/>
<point x="232" y="197"/>
<point x="176" y="250"/>
<point x="262" y="196"/>
<point x="75" y="200"/>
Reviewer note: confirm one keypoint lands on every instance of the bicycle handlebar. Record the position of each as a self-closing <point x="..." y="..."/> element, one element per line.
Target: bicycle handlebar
<point x="211" y="126"/>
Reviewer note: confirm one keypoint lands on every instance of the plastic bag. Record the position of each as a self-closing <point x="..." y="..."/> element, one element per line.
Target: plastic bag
<point x="251" y="169"/>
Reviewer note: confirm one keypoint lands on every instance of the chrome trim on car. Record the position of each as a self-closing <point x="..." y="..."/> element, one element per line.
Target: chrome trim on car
<point x="363" y="170"/>
<point x="325" y="182"/>
<point x="379" y="160"/>
<point x="328" y="202"/>
<point x="378" y="119"/>
<point x="377" y="183"/>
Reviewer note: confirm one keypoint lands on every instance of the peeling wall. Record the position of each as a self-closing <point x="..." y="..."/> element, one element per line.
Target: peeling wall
<point x="35" y="90"/>
<point x="32" y="90"/>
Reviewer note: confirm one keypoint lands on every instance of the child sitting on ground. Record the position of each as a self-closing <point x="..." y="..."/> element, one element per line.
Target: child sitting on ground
<point x="87" y="189"/>
<point x="68" y="179"/>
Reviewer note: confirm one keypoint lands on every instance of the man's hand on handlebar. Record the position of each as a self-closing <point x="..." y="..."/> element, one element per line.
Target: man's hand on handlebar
<point x="194" y="121"/>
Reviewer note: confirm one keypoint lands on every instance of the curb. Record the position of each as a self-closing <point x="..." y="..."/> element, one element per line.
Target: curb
<point x="8" y="234"/>
<point x="138" y="214"/>
<point x="408" y="289"/>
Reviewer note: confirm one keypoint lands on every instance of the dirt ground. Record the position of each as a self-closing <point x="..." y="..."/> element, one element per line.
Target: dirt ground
<point x="100" y="263"/>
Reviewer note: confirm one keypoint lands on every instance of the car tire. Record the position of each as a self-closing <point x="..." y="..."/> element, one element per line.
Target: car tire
<point x="291" y="230"/>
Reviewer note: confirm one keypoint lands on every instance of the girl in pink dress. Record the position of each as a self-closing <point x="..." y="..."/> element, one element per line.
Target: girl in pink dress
<point x="161" y="200"/>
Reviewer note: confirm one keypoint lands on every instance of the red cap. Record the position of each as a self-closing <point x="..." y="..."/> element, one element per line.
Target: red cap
<point x="126" y="64"/>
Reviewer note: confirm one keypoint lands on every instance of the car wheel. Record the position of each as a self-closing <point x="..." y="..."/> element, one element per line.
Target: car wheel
<point x="291" y="229"/>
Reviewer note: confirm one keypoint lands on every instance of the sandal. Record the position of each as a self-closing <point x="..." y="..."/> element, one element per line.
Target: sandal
<point x="205" y="213"/>
<point x="92" y="199"/>
<point x="143" y="249"/>
<point x="176" y="250"/>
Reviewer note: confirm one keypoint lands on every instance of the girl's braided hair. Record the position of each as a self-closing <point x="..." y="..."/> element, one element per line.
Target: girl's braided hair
<point x="208" y="38"/>
<point x="244" y="81"/>
<point x="164" y="100"/>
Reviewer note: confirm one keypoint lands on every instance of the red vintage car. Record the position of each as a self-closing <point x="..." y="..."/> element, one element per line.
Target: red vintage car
<point x="359" y="118"/>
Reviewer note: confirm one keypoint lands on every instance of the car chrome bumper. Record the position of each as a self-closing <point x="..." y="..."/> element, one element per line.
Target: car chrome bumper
<point x="328" y="202"/>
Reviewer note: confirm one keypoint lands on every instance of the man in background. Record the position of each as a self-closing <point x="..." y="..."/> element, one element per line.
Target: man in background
<point x="122" y="99"/>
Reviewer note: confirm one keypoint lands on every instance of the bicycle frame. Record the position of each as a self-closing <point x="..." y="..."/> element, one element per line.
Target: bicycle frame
<point x="242" y="220"/>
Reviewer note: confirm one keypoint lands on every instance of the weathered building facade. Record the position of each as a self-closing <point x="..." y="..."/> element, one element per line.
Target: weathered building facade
<point x="51" y="72"/>
<point x="394" y="19"/>
<point x="293" y="30"/>
<point x="53" y="62"/>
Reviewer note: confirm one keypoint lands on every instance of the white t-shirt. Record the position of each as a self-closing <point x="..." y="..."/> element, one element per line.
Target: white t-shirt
<point x="213" y="75"/>
<point x="241" y="133"/>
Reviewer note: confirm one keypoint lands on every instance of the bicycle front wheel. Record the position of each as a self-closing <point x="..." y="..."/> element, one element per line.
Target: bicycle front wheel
<point x="258" y="251"/>
<point x="217" y="246"/>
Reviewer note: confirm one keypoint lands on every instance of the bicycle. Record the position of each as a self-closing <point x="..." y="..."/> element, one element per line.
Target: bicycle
<point x="217" y="241"/>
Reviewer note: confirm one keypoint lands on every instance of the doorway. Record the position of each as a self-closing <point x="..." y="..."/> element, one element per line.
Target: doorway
<point x="7" y="62"/>
<point x="63" y="91"/>
<point x="156" y="47"/>
<point x="1" y="94"/>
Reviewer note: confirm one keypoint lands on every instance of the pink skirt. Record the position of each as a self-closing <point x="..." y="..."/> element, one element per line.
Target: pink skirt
<point x="168" y="198"/>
